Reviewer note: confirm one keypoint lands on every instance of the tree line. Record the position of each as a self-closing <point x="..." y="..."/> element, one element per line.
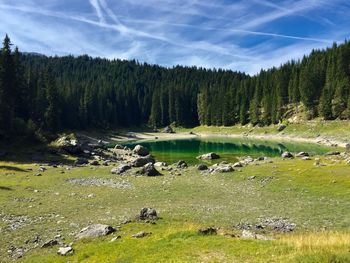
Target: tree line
<point x="50" y="94"/>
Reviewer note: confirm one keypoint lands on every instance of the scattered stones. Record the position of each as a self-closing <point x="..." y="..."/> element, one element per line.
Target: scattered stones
<point x="149" y="170"/>
<point x="49" y="243"/>
<point x="202" y="167"/>
<point x="141" y="234"/>
<point x="287" y="155"/>
<point x="16" y="252"/>
<point x="81" y="161"/>
<point x="276" y="224"/>
<point x="181" y="164"/>
<point x="63" y="251"/>
<point x="96" y="230"/>
<point x="121" y="169"/>
<point x="208" y="156"/>
<point x="281" y="127"/>
<point x="168" y="129"/>
<point x="141" y="161"/>
<point x="101" y="182"/>
<point x="302" y="154"/>
<point x="207" y="231"/>
<point x="140" y="150"/>
<point x="147" y="214"/>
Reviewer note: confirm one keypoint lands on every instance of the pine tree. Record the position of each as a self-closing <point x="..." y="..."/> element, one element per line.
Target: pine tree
<point x="52" y="113"/>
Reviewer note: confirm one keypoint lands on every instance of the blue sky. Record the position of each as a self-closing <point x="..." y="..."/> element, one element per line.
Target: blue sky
<point x="238" y="35"/>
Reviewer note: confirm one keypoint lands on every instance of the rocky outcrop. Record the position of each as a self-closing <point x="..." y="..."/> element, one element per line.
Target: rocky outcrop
<point x="71" y="146"/>
<point x="96" y="230"/>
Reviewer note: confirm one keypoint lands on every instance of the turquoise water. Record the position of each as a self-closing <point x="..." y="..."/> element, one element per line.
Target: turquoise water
<point x="229" y="149"/>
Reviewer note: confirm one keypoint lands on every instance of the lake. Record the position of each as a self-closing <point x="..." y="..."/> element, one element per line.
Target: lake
<point x="171" y="151"/>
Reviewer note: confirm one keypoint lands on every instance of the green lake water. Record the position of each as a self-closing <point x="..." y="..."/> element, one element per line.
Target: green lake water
<point x="229" y="149"/>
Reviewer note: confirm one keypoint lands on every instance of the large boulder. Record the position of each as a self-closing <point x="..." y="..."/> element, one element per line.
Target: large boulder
<point x="208" y="156"/>
<point x="202" y="167"/>
<point x="71" y="146"/>
<point x="140" y="150"/>
<point x="168" y="129"/>
<point x="96" y="230"/>
<point x="147" y="213"/>
<point x="149" y="170"/>
<point x="141" y="161"/>
<point x="121" y="169"/>
<point x="225" y="168"/>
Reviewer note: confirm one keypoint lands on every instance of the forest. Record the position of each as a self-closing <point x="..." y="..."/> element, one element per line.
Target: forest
<point x="52" y="94"/>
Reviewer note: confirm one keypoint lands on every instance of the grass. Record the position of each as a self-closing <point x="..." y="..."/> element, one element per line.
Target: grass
<point x="315" y="198"/>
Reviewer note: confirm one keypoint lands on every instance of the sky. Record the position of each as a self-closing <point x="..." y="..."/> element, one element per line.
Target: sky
<point x="242" y="35"/>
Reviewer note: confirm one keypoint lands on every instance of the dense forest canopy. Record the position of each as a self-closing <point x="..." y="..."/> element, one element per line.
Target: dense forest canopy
<point x="57" y="93"/>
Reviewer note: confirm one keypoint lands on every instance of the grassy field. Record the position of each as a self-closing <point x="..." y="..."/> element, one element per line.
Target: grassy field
<point x="316" y="199"/>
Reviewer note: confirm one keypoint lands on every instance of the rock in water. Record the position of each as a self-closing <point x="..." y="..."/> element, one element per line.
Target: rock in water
<point x="96" y="230"/>
<point x="140" y="150"/>
<point x="63" y="251"/>
<point x="147" y="214"/>
<point x="208" y="156"/>
<point x="139" y="162"/>
<point x="287" y="155"/>
<point x="202" y="167"/>
<point x="149" y="170"/>
<point x="121" y="169"/>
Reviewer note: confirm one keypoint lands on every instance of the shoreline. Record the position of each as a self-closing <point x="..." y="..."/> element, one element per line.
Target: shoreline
<point x="150" y="136"/>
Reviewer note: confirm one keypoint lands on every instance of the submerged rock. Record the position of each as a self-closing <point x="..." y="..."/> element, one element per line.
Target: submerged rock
<point x="96" y="230"/>
<point x="208" y="156"/>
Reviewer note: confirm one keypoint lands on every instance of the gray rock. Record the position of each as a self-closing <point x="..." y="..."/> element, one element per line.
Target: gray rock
<point x="140" y="150"/>
<point x="94" y="162"/>
<point x="96" y="230"/>
<point x="147" y="213"/>
<point x="168" y="129"/>
<point x="149" y="170"/>
<point x="281" y="127"/>
<point x="49" y="243"/>
<point x="333" y="153"/>
<point x="306" y="158"/>
<point x="238" y="164"/>
<point x="160" y="164"/>
<point x="141" y="234"/>
<point x="181" y="164"/>
<point x="81" y="161"/>
<point x="72" y="146"/>
<point x="121" y="169"/>
<point x="202" y="167"/>
<point x="208" y="156"/>
<point x="141" y="161"/>
<point x="248" y="234"/>
<point x="119" y="147"/>
<point x="223" y="169"/>
<point x="287" y="155"/>
<point x="63" y="251"/>
<point x="347" y="146"/>
<point x="303" y="154"/>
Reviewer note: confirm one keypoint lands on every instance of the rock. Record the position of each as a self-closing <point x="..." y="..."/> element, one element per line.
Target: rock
<point x="207" y="231"/>
<point x="118" y="147"/>
<point x="248" y="234"/>
<point x="281" y="127"/>
<point x="49" y="243"/>
<point x="347" y="146"/>
<point x="287" y="155"/>
<point x="202" y="167"/>
<point x="121" y="169"/>
<point x="247" y="160"/>
<point x="208" y="156"/>
<point x="141" y="161"/>
<point x="276" y="224"/>
<point x="81" y="161"/>
<point x="140" y="150"/>
<point x="223" y="169"/>
<point x="38" y="174"/>
<point x="238" y="164"/>
<point x="306" y="158"/>
<point x="94" y="162"/>
<point x="141" y="234"/>
<point x="72" y="146"/>
<point x="303" y="154"/>
<point x="333" y="153"/>
<point x="168" y="129"/>
<point x="149" y="170"/>
<point x="160" y="164"/>
<point x="181" y="164"/>
<point x="115" y="238"/>
<point x="63" y="251"/>
<point x="96" y="230"/>
<point x="251" y="178"/>
<point x="147" y="214"/>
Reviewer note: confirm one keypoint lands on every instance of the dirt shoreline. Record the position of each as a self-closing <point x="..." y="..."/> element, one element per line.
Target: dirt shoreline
<point x="146" y="136"/>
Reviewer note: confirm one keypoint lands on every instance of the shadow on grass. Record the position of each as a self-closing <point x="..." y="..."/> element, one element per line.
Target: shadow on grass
<point x="5" y="188"/>
<point x="12" y="168"/>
